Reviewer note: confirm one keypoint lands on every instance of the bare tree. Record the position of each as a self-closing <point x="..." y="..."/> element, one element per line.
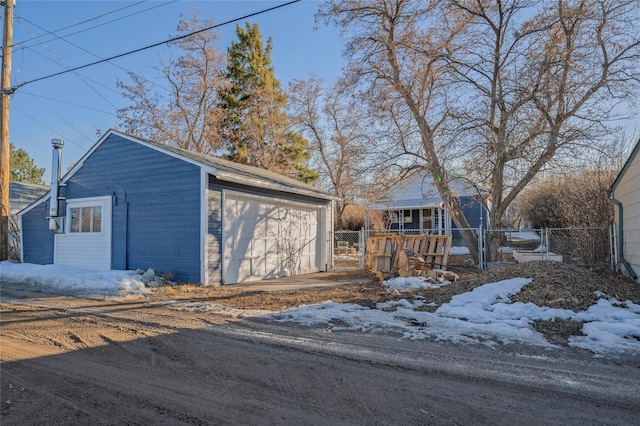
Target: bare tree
<point x="336" y="128"/>
<point x="545" y="86"/>
<point x="393" y="49"/>
<point x="186" y="112"/>
<point x="496" y="89"/>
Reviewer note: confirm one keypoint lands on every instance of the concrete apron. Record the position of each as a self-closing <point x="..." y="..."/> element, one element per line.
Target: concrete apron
<point x="297" y="282"/>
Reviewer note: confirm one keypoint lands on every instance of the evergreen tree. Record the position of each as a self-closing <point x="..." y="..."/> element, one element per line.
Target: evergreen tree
<point x="255" y="125"/>
<point x="22" y="167"/>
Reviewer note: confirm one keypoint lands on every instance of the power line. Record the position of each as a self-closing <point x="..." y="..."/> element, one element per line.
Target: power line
<point x="79" y="23"/>
<point x="80" y="48"/>
<point x="68" y="103"/>
<point x="61" y="62"/>
<point x="80" y="76"/>
<point x="66" y="139"/>
<point x="109" y="22"/>
<point x="14" y="88"/>
<point x="65" y="121"/>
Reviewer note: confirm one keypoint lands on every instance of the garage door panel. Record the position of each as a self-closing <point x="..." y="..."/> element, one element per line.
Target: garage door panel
<point x="261" y="227"/>
<point x="259" y="249"/>
<point x="259" y="266"/>
<point x="245" y="269"/>
<point x="270" y="239"/>
<point x="245" y="228"/>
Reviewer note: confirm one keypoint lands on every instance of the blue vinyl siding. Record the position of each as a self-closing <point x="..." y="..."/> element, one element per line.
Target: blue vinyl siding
<point x="156" y="211"/>
<point x="37" y="240"/>
<point x="156" y="206"/>
<point x="472" y="208"/>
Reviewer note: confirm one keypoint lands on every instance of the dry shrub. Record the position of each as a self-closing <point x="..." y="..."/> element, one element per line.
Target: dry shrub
<point x="574" y="201"/>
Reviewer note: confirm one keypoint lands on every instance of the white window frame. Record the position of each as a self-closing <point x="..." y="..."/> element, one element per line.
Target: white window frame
<point x="103" y="202"/>
<point x="401" y="216"/>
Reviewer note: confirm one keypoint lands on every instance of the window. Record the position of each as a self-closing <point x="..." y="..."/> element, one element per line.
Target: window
<point x="86" y="219"/>
<point x="401" y="216"/>
<point x="427" y="219"/>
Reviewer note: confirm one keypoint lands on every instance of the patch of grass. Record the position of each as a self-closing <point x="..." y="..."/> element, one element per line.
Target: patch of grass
<point x="558" y="331"/>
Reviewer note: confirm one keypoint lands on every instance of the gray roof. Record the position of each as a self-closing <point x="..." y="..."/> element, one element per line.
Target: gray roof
<point x="236" y="172"/>
<point x="22" y="194"/>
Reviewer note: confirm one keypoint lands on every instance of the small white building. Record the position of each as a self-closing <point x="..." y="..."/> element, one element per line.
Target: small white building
<point x="625" y="194"/>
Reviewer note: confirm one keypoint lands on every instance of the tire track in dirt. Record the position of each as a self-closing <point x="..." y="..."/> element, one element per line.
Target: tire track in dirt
<point x="151" y="365"/>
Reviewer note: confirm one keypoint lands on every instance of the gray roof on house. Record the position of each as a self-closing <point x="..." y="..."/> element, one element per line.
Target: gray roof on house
<point x="419" y="191"/>
<point x="22" y="194"/>
<point x="222" y="169"/>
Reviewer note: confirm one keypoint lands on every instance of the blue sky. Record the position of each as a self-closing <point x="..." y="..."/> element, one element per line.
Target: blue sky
<point x="72" y="106"/>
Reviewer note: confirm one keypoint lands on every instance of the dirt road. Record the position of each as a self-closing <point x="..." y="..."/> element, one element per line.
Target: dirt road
<point x="80" y="361"/>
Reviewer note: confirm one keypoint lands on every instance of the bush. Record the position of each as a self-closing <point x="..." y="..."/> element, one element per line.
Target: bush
<point x="574" y="201"/>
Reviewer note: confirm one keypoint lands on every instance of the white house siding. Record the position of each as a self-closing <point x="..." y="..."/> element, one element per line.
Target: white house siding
<point x="90" y="250"/>
<point x="628" y="193"/>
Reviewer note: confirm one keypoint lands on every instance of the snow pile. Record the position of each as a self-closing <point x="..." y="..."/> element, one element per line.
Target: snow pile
<point x="344" y="257"/>
<point x="69" y="280"/>
<point x="609" y="324"/>
<point x="455" y="250"/>
<point x="412" y="283"/>
<point x="484" y="315"/>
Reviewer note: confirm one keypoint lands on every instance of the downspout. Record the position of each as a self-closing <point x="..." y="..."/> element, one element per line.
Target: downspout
<point x="626" y="264"/>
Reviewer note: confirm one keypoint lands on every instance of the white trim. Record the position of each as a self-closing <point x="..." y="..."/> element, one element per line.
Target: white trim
<point x="224" y="235"/>
<point x="259" y="183"/>
<point x="78" y="165"/>
<point x="21" y="240"/>
<point x="212" y="170"/>
<point x="77" y="238"/>
<point x="31" y="206"/>
<point x="322" y="260"/>
<point x="204" y="226"/>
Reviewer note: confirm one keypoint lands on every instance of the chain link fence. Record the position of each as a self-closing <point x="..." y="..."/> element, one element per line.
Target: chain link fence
<point x="349" y="244"/>
<point x="581" y="246"/>
<point x="501" y="247"/>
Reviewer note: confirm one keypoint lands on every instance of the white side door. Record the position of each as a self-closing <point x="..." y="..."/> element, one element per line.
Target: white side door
<point x="86" y="241"/>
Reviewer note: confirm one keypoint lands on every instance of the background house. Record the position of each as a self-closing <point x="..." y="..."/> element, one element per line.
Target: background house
<point x="625" y="194"/>
<point x="21" y="194"/>
<point x="413" y="205"/>
<point x="134" y="203"/>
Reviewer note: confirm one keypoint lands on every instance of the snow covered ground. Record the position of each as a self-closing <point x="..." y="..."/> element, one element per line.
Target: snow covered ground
<point x="72" y="281"/>
<point x="485" y="315"/>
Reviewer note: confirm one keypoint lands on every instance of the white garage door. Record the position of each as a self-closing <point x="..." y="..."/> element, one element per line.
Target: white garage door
<point x="267" y="239"/>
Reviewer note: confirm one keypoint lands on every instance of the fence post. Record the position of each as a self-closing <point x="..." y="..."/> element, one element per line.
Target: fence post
<point x="481" y="253"/>
<point x="362" y="246"/>
<point x="613" y="249"/>
<point x="545" y="244"/>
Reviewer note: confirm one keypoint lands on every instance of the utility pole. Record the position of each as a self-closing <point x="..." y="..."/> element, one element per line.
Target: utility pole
<point x="5" y="151"/>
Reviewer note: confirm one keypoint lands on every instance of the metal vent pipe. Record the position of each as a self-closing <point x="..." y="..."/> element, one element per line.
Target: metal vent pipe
<point x="56" y="165"/>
